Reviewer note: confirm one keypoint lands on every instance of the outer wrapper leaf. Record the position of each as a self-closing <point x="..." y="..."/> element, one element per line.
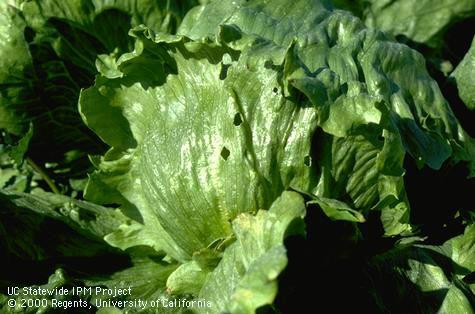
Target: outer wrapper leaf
<point x="225" y="141"/>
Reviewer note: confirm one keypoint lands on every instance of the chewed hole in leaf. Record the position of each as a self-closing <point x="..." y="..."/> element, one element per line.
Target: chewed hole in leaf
<point x="29" y="34"/>
<point x="225" y="153"/>
<point x="307" y="161"/>
<point x="268" y="64"/>
<point x="237" y="119"/>
<point x="85" y="215"/>
<point x="224" y="71"/>
<point x="275" y="90"/>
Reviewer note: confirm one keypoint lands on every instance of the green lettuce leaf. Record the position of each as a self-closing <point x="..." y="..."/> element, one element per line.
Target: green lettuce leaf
<point x="49" y="53"/>
<point x="422" y="21"/>
<point x="38" y="89"/>
<point x="79" y="226"/>
<point x="464" y="76"/>
<point x="14" y="62"/>
<point x="246" y="277"/>
<point x="427" y="279"/>
<point x="14" y="177"/>
<point x="17" y="152"/>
